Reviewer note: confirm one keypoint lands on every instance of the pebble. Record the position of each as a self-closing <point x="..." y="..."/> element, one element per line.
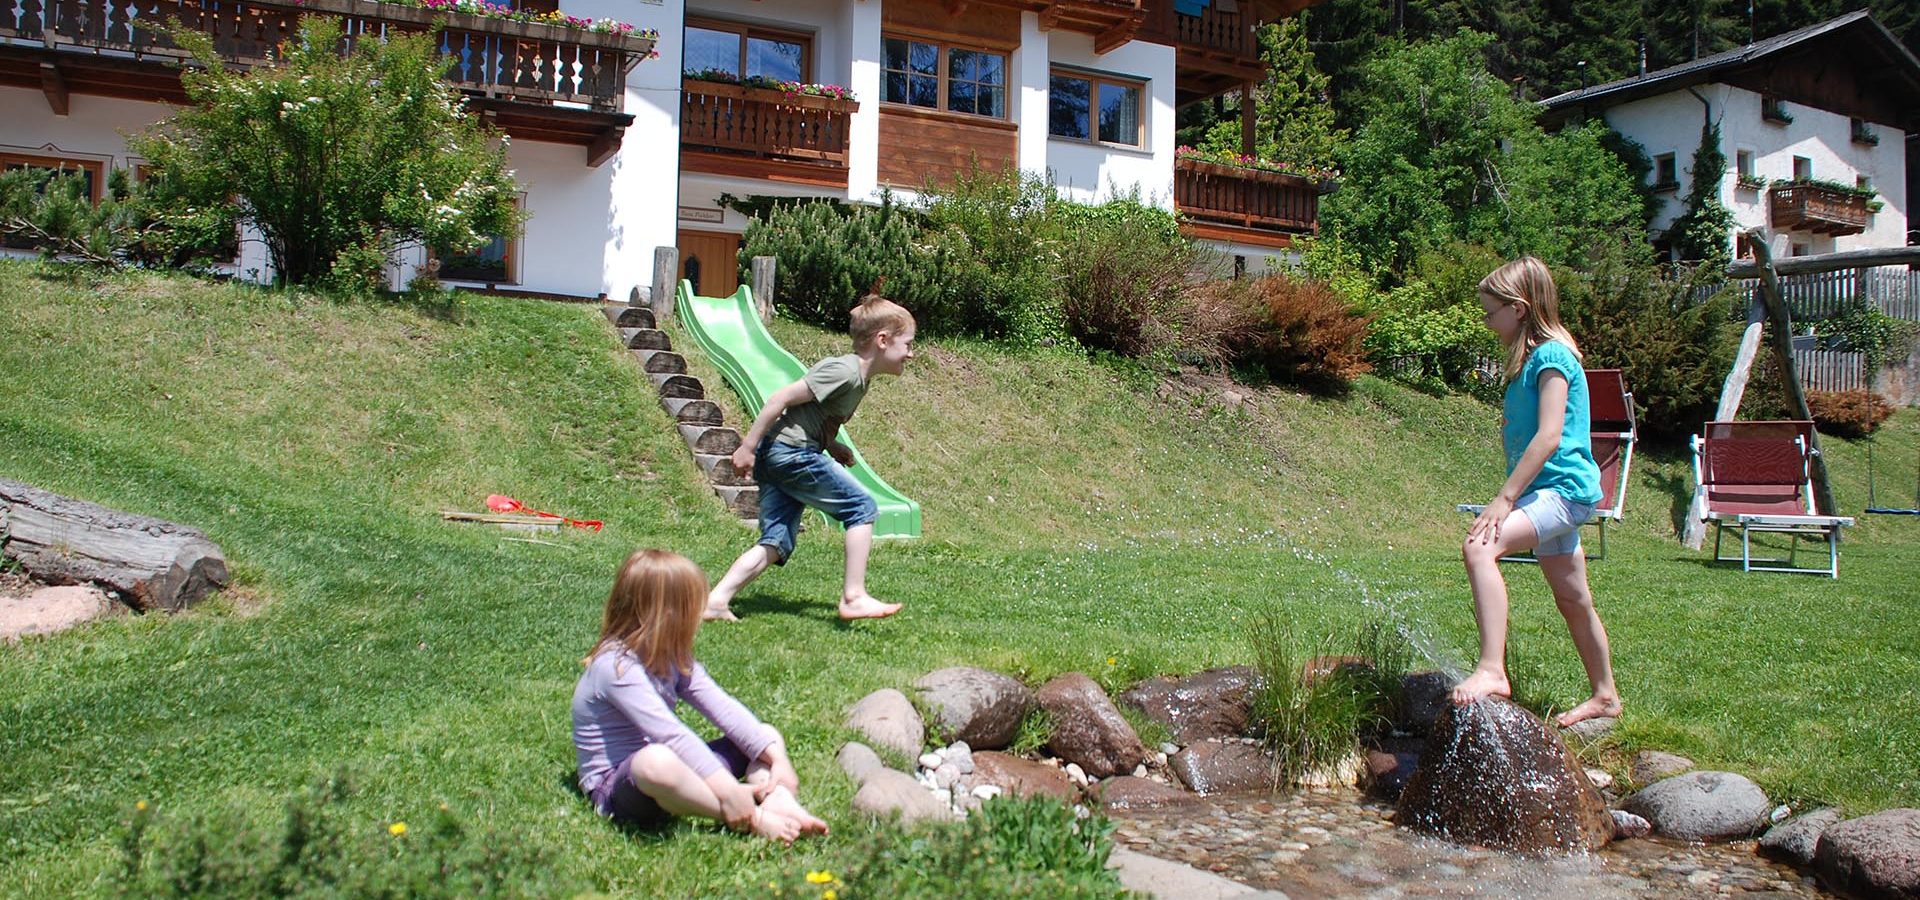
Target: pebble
<point x="1140" y="771"/>
<point x="1169" y="749"/>
<point x="986" y="791"/>
<point x="1076" y="773"/>
<point x="930" y="760"/>
<point x="1600" y="778"/>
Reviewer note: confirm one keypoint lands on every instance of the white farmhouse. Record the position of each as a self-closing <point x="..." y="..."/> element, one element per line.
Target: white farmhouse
<point x="1814" y="124"/>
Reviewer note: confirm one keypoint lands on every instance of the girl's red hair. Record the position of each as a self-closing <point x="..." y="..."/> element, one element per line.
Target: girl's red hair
<point x="654" y="609"/>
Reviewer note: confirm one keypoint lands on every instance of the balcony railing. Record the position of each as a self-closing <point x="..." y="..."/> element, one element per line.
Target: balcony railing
<point x="1823" y="210"/>
<point x="1216" y="32"/>
<point x="512" y="60"/>
<point x="765" y="122"/>
<point x="1247" y="198"/>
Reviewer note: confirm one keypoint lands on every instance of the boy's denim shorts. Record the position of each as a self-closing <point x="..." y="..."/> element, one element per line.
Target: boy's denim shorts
<point x="1556" y="520"/>
<point x="793" y="478"/>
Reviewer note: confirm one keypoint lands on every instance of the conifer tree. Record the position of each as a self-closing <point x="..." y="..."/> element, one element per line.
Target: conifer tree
<point x="1293" y="114"/>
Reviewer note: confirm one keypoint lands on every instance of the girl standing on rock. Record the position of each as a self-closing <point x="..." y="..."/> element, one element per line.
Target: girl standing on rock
<point x="1552" y="486"/>
<point x="638" y="762"/>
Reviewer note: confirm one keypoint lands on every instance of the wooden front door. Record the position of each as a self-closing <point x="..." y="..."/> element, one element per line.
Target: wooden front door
<point x="711" y="260"/>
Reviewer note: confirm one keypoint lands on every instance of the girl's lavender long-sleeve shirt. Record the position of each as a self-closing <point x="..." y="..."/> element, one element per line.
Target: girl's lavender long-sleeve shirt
<point x="619" y="707"/>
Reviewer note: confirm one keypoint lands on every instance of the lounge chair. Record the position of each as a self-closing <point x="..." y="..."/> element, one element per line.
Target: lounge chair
<point x="1753" y="476"/>
<point x="1615" y="430"/>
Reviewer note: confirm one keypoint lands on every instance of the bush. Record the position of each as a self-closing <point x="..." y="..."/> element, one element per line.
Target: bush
<point x="1848" y="414"/>
<point x="1123" y="283"/>
<point x="318" y="850"/>
<point x="829" y="255"/>
<point x="1301" y="332"/>
<point x="1011" y="848"/>
<point x="1000" y="253"/>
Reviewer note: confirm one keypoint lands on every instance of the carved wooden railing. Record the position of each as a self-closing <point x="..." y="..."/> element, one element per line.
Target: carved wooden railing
<point x="1248" y="198"/>
<point x="529" y="61"/>
<point x="1811" y="207"/>
<point x="1213" y="31"/>
<point x="765" y="122"/>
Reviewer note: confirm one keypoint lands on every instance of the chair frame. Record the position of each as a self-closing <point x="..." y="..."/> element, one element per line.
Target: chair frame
<point x="1811" y="524"/>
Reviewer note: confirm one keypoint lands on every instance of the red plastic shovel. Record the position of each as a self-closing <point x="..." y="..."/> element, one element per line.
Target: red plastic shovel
<point x="499" y="503"/>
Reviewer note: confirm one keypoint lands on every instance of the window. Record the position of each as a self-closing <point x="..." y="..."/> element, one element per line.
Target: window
<point x="1802" y="168"/>
<point x="1666" y="174"/>
<point x="932" y="75"/>
<point x="1090" y="107"/>
<point x="1742" y="245"/>
<point x="1743" y="164"/>
<point x="494" y="262"/>
<point x="1863" y="182"/>
<point x="1773" y="109"/>
<point x="747" y="51"/>
<point x="1864" y="133"/>
<point x="1801" y="250"/>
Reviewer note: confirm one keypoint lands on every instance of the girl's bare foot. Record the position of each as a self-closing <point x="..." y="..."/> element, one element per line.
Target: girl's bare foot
<point x="719" y="614"/>
<point x="1595" y="707"/>
<point x="772" y="825"/>
<point x="1481" y="683"/>
<point x="782" y="802"/>
<point x="865" y="607"/>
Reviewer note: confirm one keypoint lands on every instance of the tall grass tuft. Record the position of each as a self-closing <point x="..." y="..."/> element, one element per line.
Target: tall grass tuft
<point x="1311" y="724"/>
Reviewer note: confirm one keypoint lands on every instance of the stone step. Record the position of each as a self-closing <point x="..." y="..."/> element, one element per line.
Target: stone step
<point x="685" y="387"/>
<point x="710" y="439"/>
<point x="630" y="316"/>
<point x="744" y="501"/>
<point x="645" y="339"/>
<point x="691" y="411"/>
<point x="661" y="362"/>
<point x="718" y="468"/>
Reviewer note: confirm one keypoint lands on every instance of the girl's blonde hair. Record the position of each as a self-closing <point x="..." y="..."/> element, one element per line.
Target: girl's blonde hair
<point x="653" y="610"/>
<point x="874" y="314"/>
<point x="1527" y="279"/>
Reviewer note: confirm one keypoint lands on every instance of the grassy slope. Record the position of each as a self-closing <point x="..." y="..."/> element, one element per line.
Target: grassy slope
<point x="315" y="441"/>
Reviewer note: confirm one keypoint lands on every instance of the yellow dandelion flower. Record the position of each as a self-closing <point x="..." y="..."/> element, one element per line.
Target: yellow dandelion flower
<point x="829" y="895"/>
<point x="397" y="829"/>
<point x="140" y="805"/>
<point x="1113" y="660"/>
<point x="821" y="877"/>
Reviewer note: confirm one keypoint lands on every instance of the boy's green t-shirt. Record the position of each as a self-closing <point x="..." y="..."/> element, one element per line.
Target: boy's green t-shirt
<point x="837" y="390"/>
<point x="1571" y="471"/>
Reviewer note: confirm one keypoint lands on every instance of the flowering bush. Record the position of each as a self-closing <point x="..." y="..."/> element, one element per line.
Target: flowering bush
<point x="555" y="17"/>
<point x="1253" y="162"/>
<point x="790" y="88"/>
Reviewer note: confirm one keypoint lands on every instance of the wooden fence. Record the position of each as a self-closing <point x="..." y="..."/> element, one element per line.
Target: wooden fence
<point x="1831" y="370"/>
<point x="1894" y="290"/>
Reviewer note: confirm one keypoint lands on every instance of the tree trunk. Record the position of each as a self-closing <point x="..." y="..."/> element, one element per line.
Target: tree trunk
<point x="151" y="563"/>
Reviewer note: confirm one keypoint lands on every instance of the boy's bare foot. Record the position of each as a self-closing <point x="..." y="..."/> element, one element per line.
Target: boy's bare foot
<point x="865" y="607"/>
<point x="719" y="614"/>
<point x="1595" y="707"/>
<point x="782" y="802"/>
<point x="1481" y="683"/>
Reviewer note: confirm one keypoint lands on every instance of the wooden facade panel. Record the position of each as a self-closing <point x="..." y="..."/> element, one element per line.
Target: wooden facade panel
<point x="917" y="148"/>
<point x="986" y="26"/>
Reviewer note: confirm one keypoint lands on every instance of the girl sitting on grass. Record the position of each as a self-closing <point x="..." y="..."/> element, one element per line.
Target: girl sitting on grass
<point x="1552" y="486"/>
<point x="638" y="762"/>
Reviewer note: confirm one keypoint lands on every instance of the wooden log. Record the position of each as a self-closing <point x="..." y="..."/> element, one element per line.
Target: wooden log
<point x="710" y="439"/>
<point x="645" y="339"/>
<point x="1829" y="262"/>
<point x="1730" y="395"/>
<point x="685" y="387"/>
<point x="666" y="267"/>
<point x="763" y="274"/>
<point x="692" y="410"/>
<point x="661" y="362"/>
<point x="743" y="501"/>
<point x="719" y="470"/>
<point x="630" y="316"/>
<point x="151" y="563"/>
<point x="1782" y="342"/>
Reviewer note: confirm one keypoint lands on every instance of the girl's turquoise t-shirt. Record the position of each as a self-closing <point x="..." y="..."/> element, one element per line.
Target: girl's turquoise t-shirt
<point x="1570" y="471"/>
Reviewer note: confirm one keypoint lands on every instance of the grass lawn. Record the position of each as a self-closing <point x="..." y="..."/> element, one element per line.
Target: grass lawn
<point x="1074" y="512"/>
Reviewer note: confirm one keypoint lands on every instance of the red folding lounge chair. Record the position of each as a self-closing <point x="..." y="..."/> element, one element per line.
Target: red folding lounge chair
<point x="1753" y="476"/>
<point x="1615" y="430"/>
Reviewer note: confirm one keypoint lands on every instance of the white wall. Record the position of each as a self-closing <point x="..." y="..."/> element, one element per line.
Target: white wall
<point x="1089" y="172"/>
<point x="1670" y="123"/>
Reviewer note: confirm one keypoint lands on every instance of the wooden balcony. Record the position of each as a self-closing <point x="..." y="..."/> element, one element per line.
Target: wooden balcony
<point x="1216" y="51"/>
<point x="532" y="78"/>
<point x="1246" y="205"/>
<point x="757" y="132"/>
<point x="1821" y="210"/>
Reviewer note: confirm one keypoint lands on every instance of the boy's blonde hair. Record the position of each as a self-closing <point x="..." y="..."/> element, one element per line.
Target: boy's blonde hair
<point x="874" y="314"/>
<point x="653" y="610"/>
<point x="1527" y="278"/>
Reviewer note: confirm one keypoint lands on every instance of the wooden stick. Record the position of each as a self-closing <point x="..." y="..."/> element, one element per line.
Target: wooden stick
<point x="497" y="518"/>
<point x="1827" y="262"/>
<point x="1782" y="343"/>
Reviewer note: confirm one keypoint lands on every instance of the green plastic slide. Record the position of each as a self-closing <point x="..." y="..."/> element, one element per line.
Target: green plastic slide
<point x="728" y="330"/>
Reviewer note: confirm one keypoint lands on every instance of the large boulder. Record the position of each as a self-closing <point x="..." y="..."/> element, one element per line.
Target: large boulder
<point x="1650" y="766"/>
<point x="858" y="761"/>
<point x="1703" y="806"/>
<point x="1494" y="774"/>
<point x="1021" y="777"/>
<point x="1129" y="792"/>
<point x="891" y="792"/>
<point x="889" y="721"/>
<point x="1793" y="842"/>
<point x="1219" y="767"/>
<point x="1209" y="704"/>
<point x="1423" y="697"/>
<point x="1872" y="856"/>
<point x="1087" y="728"/>
<point x="977" y="706"/>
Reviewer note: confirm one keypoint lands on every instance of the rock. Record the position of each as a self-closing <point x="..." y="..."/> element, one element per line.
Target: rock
<point x="1021" y="777"/>
<point x="1599" y="778"/>
<point x="986" y="791"/>
<point x="947" y="775"/>
<point x="1590" y="730"/>
<point x="890" y="792"/>
<point x="1423" y="697"/>
<point x="858" y="761"/>
<point x="52" y="609"/>
<point x="1628" y="825"/>
<point x="959" y="754"/>
<point x="1872" y="856"/>
<point x="1208" y="704"/>
<point x="1168" y="749"/>
<point x="979" y="707"/>
<point x="1650" y="766"/>
<point x="1494" y="774"/>
<point x="1140" y="771"/>
<point x="930" y="760"/>
<point x="1342" y="773"/>
<point x="1702" y="806"/>
<point x="1390" y="765"/>
<point x="1130" y="792"/>
<point x="1215" y="767"/>
<point x="1793" y="841"/>
<point x="889" y="721"/>
<point x="1321" y="666"/>
<point x="1088" y="728"/>
<point x="1076" y="773"/>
